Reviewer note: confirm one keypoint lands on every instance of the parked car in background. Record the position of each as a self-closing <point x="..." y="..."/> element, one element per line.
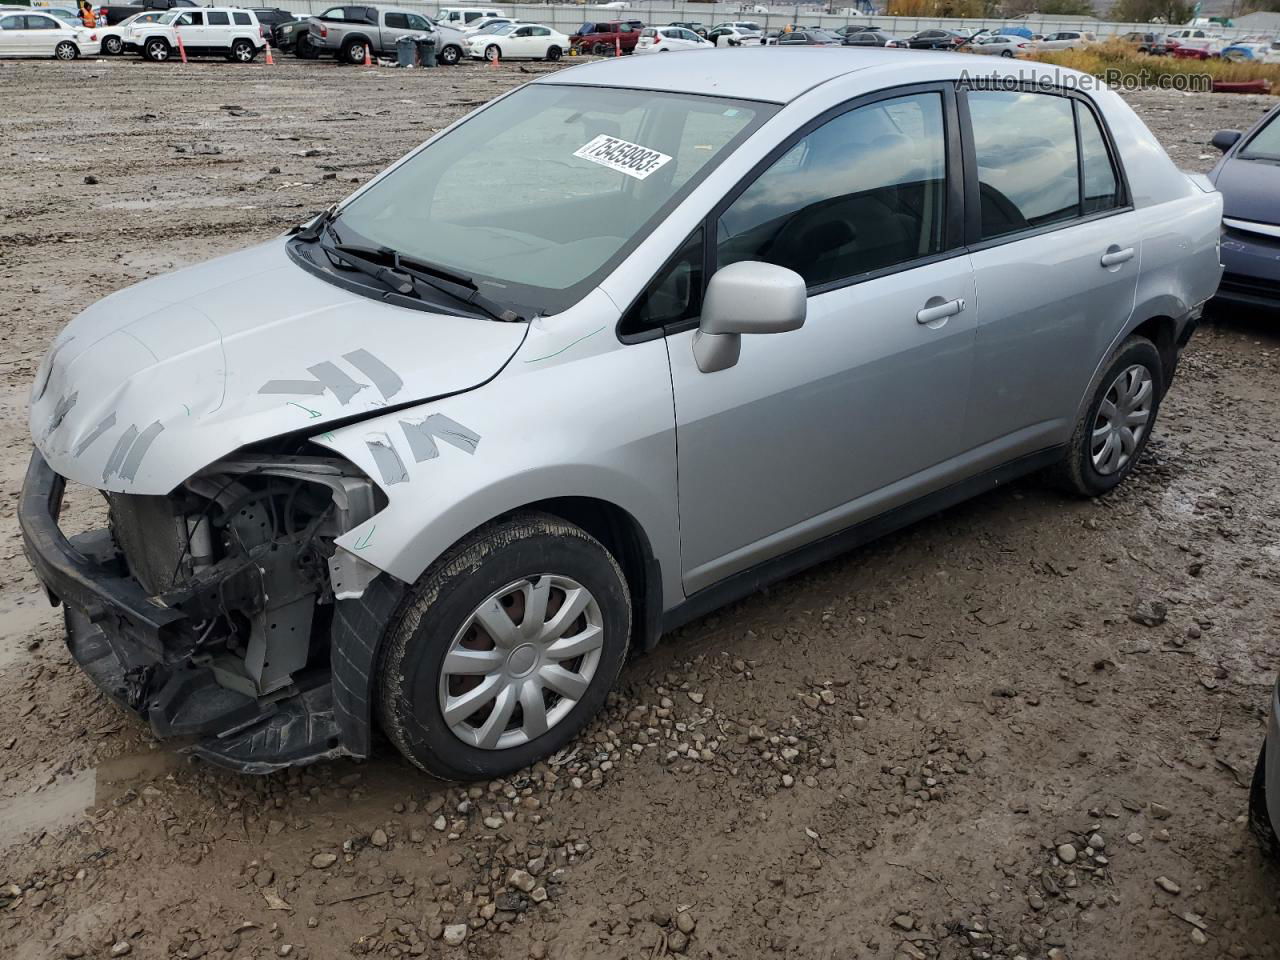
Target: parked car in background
<point x="1252" y="50"/>
<point x="742" y="26"/>
<point x="605" y="37"/>
<point x="36" y="34"/>
<point x="1066" y="40"/>
<point x="734" y="35"/>
<point x="1248" y="177"/>
<point x="851" y="28"/>
<point x="998" y="44"/>
<point x="1194" y="38"/>
<point x="448" y="451"/>
<point x="486" y="24"/>
<point x="1156" y="44"/>
<point x="671" y="39"/>
<point x="869" y="38"/>
<point x="112" y="38"/>
<point x="809" y="38"/>
<point x="350" y="41"/>
<point x="697" y="26"/>
<point x="115" y="12"/>
<point x="518" y="41"/>
<point x="271" y="19"/>
<point x="207" y="32"/>
<point x="459" y="18"/>
<point x="933" y="40"/>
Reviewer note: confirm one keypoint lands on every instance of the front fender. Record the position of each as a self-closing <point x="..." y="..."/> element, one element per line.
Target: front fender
<point x="573" y="414"/>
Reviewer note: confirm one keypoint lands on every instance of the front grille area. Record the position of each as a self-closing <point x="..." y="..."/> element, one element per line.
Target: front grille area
<point x="149" y="534"/>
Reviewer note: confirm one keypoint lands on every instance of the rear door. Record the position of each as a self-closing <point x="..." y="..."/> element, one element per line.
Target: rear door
<point x="217" y="29"/>
<point x="852" y="414"/>
<point x="1055" y="247"/>
<point x="43" y="34"/>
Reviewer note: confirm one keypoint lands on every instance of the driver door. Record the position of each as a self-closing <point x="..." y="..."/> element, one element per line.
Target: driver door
<point x="862" y="408"/>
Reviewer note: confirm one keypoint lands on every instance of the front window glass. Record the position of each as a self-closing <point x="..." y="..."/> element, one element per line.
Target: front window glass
<point x="1265" y="144"/>
<point x="865" y="191"/>
<point x="1025" y="144"/>
<point x="585" y="174"/>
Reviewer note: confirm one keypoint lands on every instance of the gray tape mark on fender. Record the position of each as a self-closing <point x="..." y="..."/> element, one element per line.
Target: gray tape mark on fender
<point x="419" y="436"/>
<point x="293" y="388"/>
<point x="98" y="431"/>
<point x="328" y="376"/>
<point x="385" y="380"/>
<point x="117" y="454"/>
<point x="129" y="469"/>
<point x="387" y="460"/>
<point x="60" y="411"/>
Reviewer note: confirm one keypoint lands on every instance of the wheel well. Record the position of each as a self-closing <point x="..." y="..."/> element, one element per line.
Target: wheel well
<point x="623" y="537"/>
<point x="1161" y="331"/>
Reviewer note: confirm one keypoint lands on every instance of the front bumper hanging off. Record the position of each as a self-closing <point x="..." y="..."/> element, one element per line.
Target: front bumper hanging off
<point x="144" y="651"/>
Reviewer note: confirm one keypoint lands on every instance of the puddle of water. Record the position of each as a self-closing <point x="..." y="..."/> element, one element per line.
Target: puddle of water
<point x="47" y="807"/>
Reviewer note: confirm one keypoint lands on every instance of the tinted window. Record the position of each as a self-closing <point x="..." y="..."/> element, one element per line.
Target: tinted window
<point x="219" y="19"/>
<point x="675" y="294"/>
<point x="861" y="193"/>
<point x="242" y="19"/>
<point x="11" y="23"/>
<point x="1026" y="151"/>
<point x="397" y="21"/>
<point x="41" y="23"/>
<point x="1101" y="190"/>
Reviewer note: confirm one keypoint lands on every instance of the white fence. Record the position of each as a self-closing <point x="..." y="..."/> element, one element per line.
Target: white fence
<point x="568" y="17"/>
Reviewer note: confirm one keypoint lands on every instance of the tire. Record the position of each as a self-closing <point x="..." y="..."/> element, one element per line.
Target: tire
<point x="1259" y="819"/>
<point x="242" y="51"/>
<point x="554" y="54"/>
<point x="601" y="50"/>
<point x="66" y="50"/>
<point x="492" y="52"/>
<point x="440" y="614"/>
<point x="304" y="49"/>
<point x="450" y="55"/>
<point x="1136" y="361"/>
<point x="353" y="52"/>
<point x="113" y="46"/>
<point x="156" y="50"/>
<point x="1006" y="53"/>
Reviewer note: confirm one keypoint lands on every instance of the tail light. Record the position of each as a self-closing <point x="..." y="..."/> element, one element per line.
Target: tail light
<point x="324" y="32"/>
<point x="93" y="37"/>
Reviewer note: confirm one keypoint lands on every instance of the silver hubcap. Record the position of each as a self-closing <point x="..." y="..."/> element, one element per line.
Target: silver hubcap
<point x="66" y="52"/>
<point x="1123" y="420"/>
<point x="242" y="52"/>
<point x="521" y="662"/>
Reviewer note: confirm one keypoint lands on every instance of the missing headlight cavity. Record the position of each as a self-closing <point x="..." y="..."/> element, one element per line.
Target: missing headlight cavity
<point x="246" y="550"/>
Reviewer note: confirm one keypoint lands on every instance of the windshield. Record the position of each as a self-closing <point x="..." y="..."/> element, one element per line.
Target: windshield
<point x="1265" y="144"/>
<point x="536" y="197"/>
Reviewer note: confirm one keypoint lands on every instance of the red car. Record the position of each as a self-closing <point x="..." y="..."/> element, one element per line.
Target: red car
<point x="605" y="38"/>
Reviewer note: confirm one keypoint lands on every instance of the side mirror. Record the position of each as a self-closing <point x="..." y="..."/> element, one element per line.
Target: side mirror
<point x="1224" y="140"/>
<point x="746" y="297"/>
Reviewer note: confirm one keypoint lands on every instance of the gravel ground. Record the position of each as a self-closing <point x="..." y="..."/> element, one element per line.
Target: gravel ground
<point x="957" y="742"/>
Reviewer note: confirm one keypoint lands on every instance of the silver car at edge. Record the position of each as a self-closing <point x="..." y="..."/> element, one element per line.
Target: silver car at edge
<point x="626" y="344"/>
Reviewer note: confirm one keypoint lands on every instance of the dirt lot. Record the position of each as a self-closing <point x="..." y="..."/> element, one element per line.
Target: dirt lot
<point x="878" y="758"/>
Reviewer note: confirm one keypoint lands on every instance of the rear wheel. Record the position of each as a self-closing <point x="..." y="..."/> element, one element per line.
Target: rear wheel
<point x="113" y="46"/>
<point x="243" y="51"/>
<point x="1006" y="53"/>
<point x="554" y="54"/>
<point x="355" y="51"/>
<point x="504" y="649"/>
<point x="600" y="50"/>
<point x="1111" y="435"/>
<point x="156" y="50"/>
<point x="1259" y="818"/>
<point x="66" y="50"/>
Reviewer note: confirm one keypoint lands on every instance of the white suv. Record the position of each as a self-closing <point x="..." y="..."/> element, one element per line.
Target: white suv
<point x="208" y="31"/>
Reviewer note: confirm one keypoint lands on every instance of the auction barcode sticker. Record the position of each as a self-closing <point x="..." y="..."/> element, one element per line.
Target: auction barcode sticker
<point x="629" y="158"/>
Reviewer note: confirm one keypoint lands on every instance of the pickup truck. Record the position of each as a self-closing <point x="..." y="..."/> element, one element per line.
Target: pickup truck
<point x="607" y="37"/>
<point x="349" y="38"/>
<point x="115" y="12"/>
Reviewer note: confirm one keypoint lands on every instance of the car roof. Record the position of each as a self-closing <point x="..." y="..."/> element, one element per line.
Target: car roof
<point x="773" y="74"/>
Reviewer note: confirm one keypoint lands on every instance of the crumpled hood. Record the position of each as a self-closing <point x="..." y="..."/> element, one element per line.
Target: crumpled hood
<point x="1250" y="190"/>
<point x="157" y="381"/>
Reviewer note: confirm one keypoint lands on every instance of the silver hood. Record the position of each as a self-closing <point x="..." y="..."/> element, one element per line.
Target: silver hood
<point x="155" y="382"/>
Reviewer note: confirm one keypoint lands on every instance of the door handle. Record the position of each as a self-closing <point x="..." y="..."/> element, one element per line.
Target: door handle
<point x="1115" y="256"/>
<point x="939" y="311"/>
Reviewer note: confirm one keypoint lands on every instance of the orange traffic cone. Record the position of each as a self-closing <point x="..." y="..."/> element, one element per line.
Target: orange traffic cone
<point x="367" y="61"/>
<point x="493" y="62"/>
<point x="617" y="46"/>
<point x="270" y="62"/>
<point x="181" y="49"/>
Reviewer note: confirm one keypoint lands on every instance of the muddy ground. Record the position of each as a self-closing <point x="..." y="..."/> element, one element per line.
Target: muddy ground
<point x="876" y="759"/>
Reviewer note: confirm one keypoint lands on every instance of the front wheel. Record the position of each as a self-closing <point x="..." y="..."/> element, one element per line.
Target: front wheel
<point x="66" y="50"/>
<point x="113" y="46"/>
<point x="554" y="54"/>
<point x="156" y="50"/>
<point x="1111" y="435"/>
<point x="492" y="53"/>
<point x="304" y="49"/>
<point x="243" y="51"/>
<point x="601" y="50"/>
<point x="449" y="56"/>
<point x="504" y="649"/>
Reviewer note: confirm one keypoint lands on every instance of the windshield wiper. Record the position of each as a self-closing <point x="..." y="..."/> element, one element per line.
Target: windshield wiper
<point x="403" y="273"/>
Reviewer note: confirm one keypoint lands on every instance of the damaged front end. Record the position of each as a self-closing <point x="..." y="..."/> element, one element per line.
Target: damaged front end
<point x="214" y="612"/>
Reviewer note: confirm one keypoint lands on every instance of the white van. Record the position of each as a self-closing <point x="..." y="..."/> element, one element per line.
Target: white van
<point x="460" y="18"/>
